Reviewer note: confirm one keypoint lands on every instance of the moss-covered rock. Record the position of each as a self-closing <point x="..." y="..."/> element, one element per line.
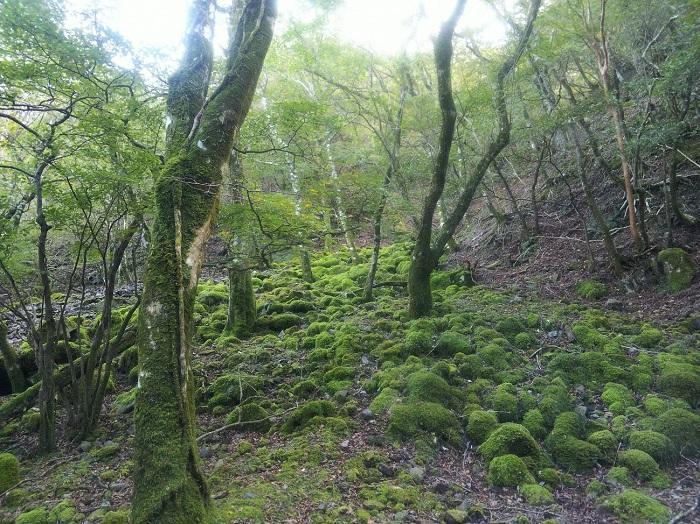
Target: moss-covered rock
<point x="648" y="337"/>
<point x="503" y="402"/>
<point x="65" y="512"/>
<point x="234" y="388"/>
<point x="409" y="419"/>
<point x="9" y="471"/>
<point x="619" y="475"/>
<point x="384" y="401"/>
<point x="534" y="421"/>
<point x="681" y="384"/>
<point x="303" y="415"/>
<point x="682" y="427"/>
<point x="250" y="417"/>
<point x="510" y="326"/>
<point x="418" y="342"/>
<point x="570" y="423"/>
<point x="278" y="322"/>
<point x="657" y="445"/>
<point x="508" y="471"/>
<point x="116" y="517"/>
<point x="509" y="439"/>
<point x="617" y="397"/>
<point x="677" y="267"/>
<point x="34" y="516"/>
<point x="591" y="289"/>
<point x="480" y="425"/>
<point x="571" y="453"/>
<point x="427" y="386"/>
<point x="536" y="495"/>
<point x="634" y="506"/>
<point x="640" y="464"/>
<point x="606" y="442"/>
<point x="452" y="342"/>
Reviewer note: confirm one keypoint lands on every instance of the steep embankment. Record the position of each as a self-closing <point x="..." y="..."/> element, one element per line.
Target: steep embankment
<point x="500" y="407"/>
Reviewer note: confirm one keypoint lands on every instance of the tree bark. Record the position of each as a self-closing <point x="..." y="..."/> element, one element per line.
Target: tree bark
<point x="240" y="319"/>
<point x="169" y="485"/>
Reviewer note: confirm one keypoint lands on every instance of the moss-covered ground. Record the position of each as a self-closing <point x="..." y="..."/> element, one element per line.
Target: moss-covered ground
<point x="499" y="407"/>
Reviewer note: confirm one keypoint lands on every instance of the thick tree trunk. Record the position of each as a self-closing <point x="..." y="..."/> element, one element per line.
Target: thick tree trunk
<point x="169" y="485"/>
<point x="9" y="358"/>
<point x="240" y="319"/>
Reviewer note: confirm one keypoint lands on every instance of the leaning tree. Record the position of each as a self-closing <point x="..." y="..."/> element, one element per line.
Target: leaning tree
<point x="202" y="127"/>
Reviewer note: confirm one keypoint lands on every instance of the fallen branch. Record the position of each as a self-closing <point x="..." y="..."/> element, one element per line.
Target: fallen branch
<point x="682" y="515"/>
<point x="203" y="436"/>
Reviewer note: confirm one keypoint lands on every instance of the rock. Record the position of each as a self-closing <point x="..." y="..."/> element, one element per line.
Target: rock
<point x="614" y="304"/>
<point x="204" y="452"/>
<point x="366" y="414"/>
<point x="85" y="446"/>
<point x="677" y="267"/>
<point x="364" y="360"/>
<point x="345" y="444"/>
<point x="417" y="473"/>
<point x="455" y="516"/>
<point x="441" y="487"/>
<point x="385" y="470"/>
<point x="554" y="333"/>
<point x="581" y="410"/>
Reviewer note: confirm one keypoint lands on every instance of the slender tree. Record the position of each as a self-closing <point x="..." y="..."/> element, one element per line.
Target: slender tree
<point x="169" y="484"/>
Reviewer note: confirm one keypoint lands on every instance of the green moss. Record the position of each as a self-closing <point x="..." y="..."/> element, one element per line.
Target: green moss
<point x="570" y="423"/>
<point x="503" y="401"/>
<point x="677" y="267"/>
<point x="510" y="326"/>
<point x="635" y="506"/>
<point x="34" y="516"/>
<point x="383" y="402"/>
<point x="410" y="419"/>
<point x="657" y="445"/>
<point x="508" y="471"/>
<point x="641" y="464"/>
<point x="648" y="338"/>
<point x="681" y="384"/>
<point x="302" y="416"/>
<point x="250" y="417"/>
<point x="9" y="471"/>
<point x="533" y="420"/>
<point x="572" y="453"/>
<point x="525" y="340"/>
<point x="105" y="452"/>
<point x="619" y="475"/>
<point x="509" y="438"/>
<point x="116" y="517"/>
<point x="429" y="387"/>
<point x="617" y="397"/>
<point x="588" y="337"/>
<point x="234" y="388"/>
<point x="65" y="513"/>
<point x="339" y="373"/>
<point x="304" y="388"/>
<point x="480" y="425"/>
<point x="605" y="441"/>
<point x="418" y="342"/>
<point x="591" y="289"/>
<point x="536" y="495"/>
<point x="451" y="342"/>
<point x="278" y="322"/>
<point x="682" y="427"/>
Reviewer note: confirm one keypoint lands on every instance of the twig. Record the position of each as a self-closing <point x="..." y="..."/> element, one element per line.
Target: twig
<point x="242" y="423"/>
<point x="682" y="515"/>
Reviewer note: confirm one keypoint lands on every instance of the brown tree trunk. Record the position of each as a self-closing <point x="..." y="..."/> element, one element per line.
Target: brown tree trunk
<point x="9" y="358"/>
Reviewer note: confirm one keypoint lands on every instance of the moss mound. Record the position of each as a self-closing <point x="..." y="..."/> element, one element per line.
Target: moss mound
<point x="657" y="445"/>
<point x="635" y="506"/>
<point x="429" y="387"/>
<point x="591" y="289"/>
<point x="303" y="415"/>
<point x="641" y="464"/>
<point x="250" y="417"/>
<point x="605" y="441"/>
<point x="480" y="425"/>
<point x="451" y="343"/>
<point x="682" y="427"/>
<point x="680" y="384"/>
<point x="415" y="417"/>
<point x="572" y="453"/>
<point x="536" y="495"/>
<point x="678" y="268"/>
<point x="509" y="439"/>
<point x="34" y="516"/>
<point x="508" y="471"/>
<point x="9" y="471"/>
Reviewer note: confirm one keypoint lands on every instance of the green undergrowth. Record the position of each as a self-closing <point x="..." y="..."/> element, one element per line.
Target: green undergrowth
<point x="346" y="404"/>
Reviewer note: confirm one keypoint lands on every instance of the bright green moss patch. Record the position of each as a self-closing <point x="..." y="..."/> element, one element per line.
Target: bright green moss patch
<point x="9" y="471"/>
<point x="386" y="398"/>
<point x="570" y="423"/>
<point x="536" y="495"/>
<point x="508" y="471"/>
<point x="591" y="289"/>
<point x="533" y="420"/>
<point x="234" y="388"/>
<point x="34" y="516"/>
<point x="634" y="506"/>
<point x="410" y="419"/>
<point x="503" y="402"/>
<point x="649" y="337"/>
<point x="278" y="322"/>
<point x="682" y="427"/>
<point x="640" y="464"/>
<point x="303" y="415"/>
<point x="418" y="342"/>
<point x="509" y="438"/>
<point x="427" y="386"/>
<point x="681" y="384"/>
<point x="452" y="342"/>
<point x="605" y="441"/>
<point x="480" y="425"/>
<point x="619" y="475"/>
<point x="617" y="398"/>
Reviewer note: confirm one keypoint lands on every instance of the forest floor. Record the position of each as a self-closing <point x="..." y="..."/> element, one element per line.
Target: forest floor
<point x="336" y="410"/>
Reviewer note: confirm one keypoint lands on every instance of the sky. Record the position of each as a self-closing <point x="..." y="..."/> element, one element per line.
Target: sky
<point x="383" y="26"/>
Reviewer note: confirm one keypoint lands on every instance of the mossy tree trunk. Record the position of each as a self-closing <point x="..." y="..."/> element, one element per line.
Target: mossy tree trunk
<point x="427" y="252"/>
<point x="169" y="485"/>
<point x="9" y="358"/>
<point x="240" y="319"/>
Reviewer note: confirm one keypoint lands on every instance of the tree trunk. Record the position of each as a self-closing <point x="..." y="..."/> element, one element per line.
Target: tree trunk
<point x="9" y="358"/>
<point x="240" y="319"/>
<point x="169" y="485"/>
